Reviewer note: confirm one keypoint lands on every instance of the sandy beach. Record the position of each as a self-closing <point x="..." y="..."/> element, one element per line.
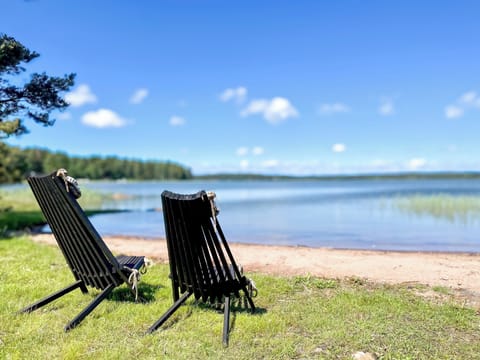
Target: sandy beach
<point x="458" y="271"/>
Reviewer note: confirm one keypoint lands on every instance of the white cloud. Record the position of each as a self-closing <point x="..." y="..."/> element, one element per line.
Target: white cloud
<point x="138" y="96"/>
<point x="242" y="151"/>
<point x="177" y="121"/>
<point x="80" y="96"/>
<point x="258" y="150"/>
<point x="470" y="99"/>
<point x="274" y="111"/>
<point x="339" y="148"/>
<point x="453" y="112"/>
<point x="386" y="107"/>
<point x="103" y="118"/>
<point x="315" y="166"/>
<point x="416" y="163"/>
<point x="244" y="164"/>
<point x="329" y="109"/>
<point x="238" y="95"/>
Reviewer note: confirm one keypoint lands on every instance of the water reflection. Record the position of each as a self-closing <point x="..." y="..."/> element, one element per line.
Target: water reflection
<point x="341" y="214"/>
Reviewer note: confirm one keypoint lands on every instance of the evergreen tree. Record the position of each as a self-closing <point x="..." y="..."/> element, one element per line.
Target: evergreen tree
<point x="35" y="99"/>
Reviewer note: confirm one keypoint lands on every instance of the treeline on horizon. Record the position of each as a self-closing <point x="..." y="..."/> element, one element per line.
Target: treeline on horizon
<point x="17" y="164"/>
<point x="346" y="177"/>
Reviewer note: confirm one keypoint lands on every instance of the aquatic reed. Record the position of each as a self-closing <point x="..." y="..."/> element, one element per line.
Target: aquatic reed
<point x="464" y="208"/>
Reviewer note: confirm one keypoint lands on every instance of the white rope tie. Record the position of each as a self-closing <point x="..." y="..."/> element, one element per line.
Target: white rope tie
<point x="252" y="288"/>
<point x="133" y="280"/>
<point x="70" y="183"/>
<point x="211" y="197"/>
<point x="62" y="173"/>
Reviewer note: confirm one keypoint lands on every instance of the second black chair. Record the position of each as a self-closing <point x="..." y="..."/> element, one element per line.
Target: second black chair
<point x="201" y="263"/>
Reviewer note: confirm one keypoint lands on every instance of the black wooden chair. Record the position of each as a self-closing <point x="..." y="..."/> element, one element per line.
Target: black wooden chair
<point x="88" y="257"/>
<point x="201" y="263"/>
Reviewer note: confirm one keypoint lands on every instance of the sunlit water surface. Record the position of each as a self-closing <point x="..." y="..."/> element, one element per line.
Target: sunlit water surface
<point x="358" y="214"/>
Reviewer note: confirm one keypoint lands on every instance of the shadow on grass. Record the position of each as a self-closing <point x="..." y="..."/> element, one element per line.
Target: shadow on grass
<point x="237" y="305"/>
<point x="146" y="293"/>
<point x="234" y="310"/>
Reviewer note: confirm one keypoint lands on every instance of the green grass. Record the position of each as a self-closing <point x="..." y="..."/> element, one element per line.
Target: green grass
<point x="299" y="317"/>
<point x="450" y="207"/>
<point x="19" y="209"/>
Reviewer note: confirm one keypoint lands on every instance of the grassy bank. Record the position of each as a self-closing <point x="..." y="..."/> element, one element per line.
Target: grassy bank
<point x="298" y="317"/>
<point x="19" y="210"/>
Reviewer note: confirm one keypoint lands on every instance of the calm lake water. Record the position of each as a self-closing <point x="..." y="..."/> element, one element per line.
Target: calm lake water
<point x="357" y="214"/>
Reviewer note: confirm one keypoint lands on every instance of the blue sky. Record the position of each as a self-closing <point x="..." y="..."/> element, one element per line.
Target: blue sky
<point x="272" y="87"/>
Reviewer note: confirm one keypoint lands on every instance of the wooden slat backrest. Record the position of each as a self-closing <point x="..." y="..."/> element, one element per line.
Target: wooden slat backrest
<point x="200" y="258"/>
<point x="84" y="250"/>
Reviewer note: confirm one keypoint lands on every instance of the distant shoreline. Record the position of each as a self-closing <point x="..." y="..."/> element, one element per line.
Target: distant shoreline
<point x="441" y="175"/>
<point x="371" y="176"/>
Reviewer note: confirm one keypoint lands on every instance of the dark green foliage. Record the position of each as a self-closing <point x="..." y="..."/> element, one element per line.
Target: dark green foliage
<point x="35" y="99"/>
<point x="19" y="220"/>
<point x="16" y="164"/>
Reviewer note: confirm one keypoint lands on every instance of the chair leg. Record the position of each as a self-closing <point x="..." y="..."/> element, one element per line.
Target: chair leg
<point x="90" y="307"/>
<point x="83" y="288"/>
<point x="249" y="299"/>
<point x="169" y="312"/>
<point x="226" y="320"/>
<point x="53" y="296"/>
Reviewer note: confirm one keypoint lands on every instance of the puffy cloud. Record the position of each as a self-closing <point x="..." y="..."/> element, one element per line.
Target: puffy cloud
<point x="416" y="163"/>
<point x="329" y="109"/>
<point x="103" y="118"/>
<point x="467" y="100"/>
<point x="386" y="107"/>
<point x="453" y="111"/>
<point x="274" y="111"/>
<point x="242" y="151"/>
<point x="177" y="121"/>
<point x="138" y="96"/>
<point x="339" y="148"/>
<point x="258" y="150"/>
<point x="238" y="95"/>
<point x="80" y="96"/>
<point x="244" y="164"/>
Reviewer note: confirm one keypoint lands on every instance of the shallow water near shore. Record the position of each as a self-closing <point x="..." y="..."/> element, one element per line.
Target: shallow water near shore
<point x="356" y="214"/>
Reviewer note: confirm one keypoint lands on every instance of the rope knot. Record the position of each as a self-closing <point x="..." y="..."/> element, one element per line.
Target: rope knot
<point x="211" y="197"/>
<point x="71" y="184"/>
<point x="133" y="281"/>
